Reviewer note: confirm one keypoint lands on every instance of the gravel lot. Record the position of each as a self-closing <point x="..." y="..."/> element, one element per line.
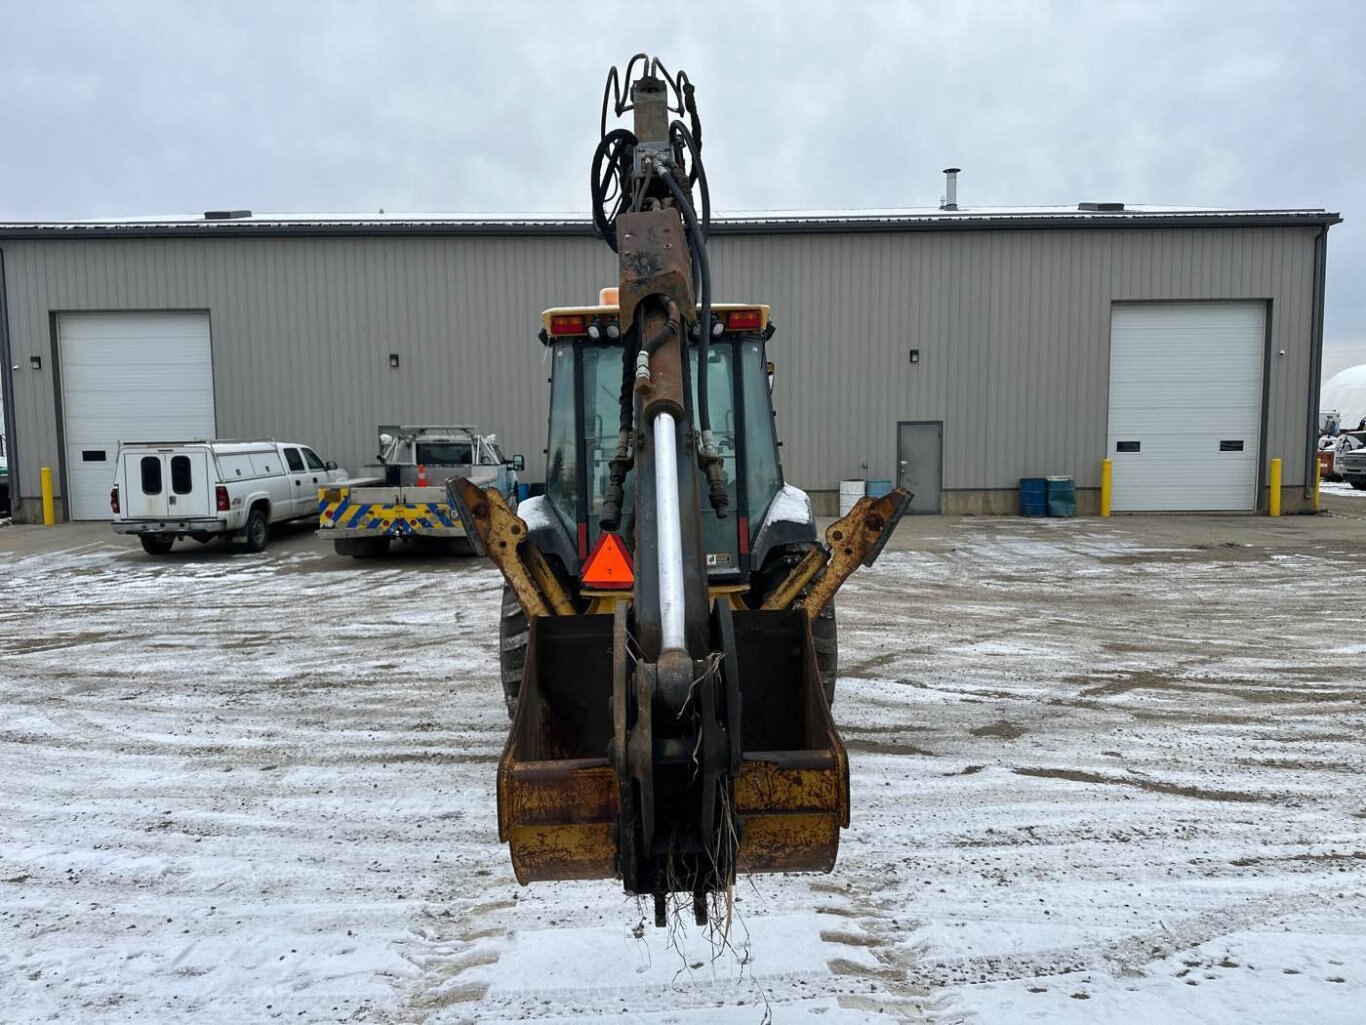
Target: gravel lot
<point x="1103" y="771"/>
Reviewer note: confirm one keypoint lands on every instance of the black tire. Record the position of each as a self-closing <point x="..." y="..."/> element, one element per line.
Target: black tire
<point x="257" y="530"/>
<point x="156" y="544"/>
<point x="825" y="634"/>
<point x="513" y="635"/>
<point x="1359" y="485"/>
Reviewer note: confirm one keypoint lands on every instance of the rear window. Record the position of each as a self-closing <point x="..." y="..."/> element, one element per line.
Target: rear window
<point x="151" y="475"/>
<point x="444" y="453"/>
<point x="294" y="460"/>
<point x="180" y="475"/>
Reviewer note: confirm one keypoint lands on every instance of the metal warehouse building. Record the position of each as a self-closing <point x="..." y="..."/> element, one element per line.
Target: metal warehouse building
<point x="955" y="351"/>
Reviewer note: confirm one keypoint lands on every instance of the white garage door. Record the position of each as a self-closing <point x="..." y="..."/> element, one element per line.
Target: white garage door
<point x="1186" y="405"/>
<point x="128" y="377"/>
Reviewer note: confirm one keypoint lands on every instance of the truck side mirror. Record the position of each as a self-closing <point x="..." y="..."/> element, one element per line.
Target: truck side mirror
<point x="518" y="463"/>
<point x="331" y="464"/>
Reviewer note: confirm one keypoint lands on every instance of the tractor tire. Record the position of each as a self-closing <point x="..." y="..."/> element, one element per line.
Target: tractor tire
<point x="156" y="544"/>
<point x="825" y="634"/>
<point x="513" y="634"/>
<point x="257" y="530"/>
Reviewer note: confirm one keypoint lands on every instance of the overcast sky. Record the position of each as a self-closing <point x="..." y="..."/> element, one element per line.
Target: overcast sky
<point x="136" y="108"/>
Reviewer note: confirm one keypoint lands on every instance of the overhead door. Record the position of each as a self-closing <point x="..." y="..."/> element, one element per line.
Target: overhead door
<point x="128" y="377"/>
<point x="1186" y="405"/>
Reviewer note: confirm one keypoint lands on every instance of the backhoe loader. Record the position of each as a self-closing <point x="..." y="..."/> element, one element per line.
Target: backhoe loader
<point x="668" y="643"/>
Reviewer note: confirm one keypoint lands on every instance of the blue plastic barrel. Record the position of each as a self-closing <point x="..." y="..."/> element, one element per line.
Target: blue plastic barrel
<point x="523" y="492"/>
<point x="877" y="488"/>
<point x="1033" y="496"/>
<point x="1062" y="496"/>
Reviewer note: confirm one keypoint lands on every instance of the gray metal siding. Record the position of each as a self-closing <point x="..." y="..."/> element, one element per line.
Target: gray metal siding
<point x="1013" y="329"/>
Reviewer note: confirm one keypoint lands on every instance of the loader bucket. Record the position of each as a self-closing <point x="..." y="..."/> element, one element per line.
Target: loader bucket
<point x="558" y="794"/>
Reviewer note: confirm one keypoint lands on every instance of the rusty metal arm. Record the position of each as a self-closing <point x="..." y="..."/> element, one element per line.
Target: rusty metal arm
<point x="854" y="540"/>
<point x="499" y="533"/>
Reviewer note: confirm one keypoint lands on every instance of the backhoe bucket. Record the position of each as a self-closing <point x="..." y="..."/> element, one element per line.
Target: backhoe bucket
<point x="559" y="795"/>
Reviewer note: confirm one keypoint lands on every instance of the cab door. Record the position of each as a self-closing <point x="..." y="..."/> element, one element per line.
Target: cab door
<point x="304" y="495"/>
<point x="319" y="476"/>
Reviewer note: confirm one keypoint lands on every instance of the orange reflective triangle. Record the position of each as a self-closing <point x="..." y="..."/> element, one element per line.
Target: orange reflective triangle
<point x="609" y="565"/>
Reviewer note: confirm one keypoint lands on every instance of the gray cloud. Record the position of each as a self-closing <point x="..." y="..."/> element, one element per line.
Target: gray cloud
<point x="147" y="108"/>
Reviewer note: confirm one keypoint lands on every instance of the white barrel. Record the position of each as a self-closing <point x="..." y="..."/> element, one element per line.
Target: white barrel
<point x="850" y="492"/>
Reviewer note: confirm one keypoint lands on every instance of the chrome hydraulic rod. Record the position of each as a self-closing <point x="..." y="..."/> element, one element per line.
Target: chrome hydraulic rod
<point x="672" y="606"/>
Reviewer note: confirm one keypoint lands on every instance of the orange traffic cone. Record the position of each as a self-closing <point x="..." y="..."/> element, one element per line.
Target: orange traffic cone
<point x="422" y="476"/>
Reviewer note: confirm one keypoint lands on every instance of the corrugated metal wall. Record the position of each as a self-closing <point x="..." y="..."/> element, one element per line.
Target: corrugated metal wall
<point x="1013" y="330"/>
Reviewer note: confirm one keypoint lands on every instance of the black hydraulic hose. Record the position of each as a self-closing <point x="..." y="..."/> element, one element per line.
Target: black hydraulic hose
<point x="697" y="174"/>
<point x="699" y="248"/>
<point x="667" y="330"/>
<point x="599" y="178"/>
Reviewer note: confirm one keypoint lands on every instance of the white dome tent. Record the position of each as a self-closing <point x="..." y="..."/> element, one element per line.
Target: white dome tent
<point x="1345" y="392"/>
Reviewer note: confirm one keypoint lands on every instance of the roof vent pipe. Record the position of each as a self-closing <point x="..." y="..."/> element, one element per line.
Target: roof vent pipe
<point x="950" y="189"/>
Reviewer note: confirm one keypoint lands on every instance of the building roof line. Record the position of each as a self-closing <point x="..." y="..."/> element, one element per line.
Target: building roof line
<point x="765" y="223"/>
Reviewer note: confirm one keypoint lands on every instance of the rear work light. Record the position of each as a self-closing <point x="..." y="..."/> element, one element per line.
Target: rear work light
<point x="568" y="324"/>
<point x="744" y="320"/>
<point x="221" y="494"/>
<point x="114" y="499"/>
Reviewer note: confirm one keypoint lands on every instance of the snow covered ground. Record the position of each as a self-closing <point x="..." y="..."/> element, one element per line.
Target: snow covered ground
<point x="1342" y="488"/>
<point x="1102" y="772"/>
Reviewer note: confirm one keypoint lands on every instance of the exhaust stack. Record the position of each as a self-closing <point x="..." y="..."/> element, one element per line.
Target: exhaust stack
<point x="950" y="189"/>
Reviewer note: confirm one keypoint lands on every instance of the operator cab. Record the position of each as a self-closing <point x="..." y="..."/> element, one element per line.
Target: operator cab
<point x="586" y="380"/>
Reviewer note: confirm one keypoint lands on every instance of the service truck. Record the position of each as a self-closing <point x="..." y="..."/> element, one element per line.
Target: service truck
<point x="404" y="499"/>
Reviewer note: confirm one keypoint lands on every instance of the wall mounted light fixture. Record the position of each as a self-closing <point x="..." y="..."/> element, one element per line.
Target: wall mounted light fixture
<point x="915" y="355"/>
<point x="36" y="362"/>
<point x="393" y="361"/>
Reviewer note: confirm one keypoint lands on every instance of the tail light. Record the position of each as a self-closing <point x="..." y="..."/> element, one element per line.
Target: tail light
<point x="221" y="493"/>
<point x="745" y="320"/>
<point x="114" y="499"/>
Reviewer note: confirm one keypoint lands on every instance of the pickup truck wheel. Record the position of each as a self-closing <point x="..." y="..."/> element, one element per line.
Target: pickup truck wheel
<point x="1360" y="485"/>
<point x="513" y="635"/>
<point x="156" y="544"/>
<point x="257" y="530"/>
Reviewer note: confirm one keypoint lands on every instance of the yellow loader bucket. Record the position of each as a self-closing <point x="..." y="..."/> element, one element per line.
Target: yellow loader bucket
<point x="559" y="797"/>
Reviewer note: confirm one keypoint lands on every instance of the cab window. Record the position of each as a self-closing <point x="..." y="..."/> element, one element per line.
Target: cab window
<point x="295" y="461"/>
<point x="763" y="474"/>
<point x="445" y="453"/>
<point x="561" y="481"/>
<point x="311" y="458"/>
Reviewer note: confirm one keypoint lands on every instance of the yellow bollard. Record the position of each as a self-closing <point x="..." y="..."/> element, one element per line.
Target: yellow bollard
<point x="45" y="477"/>
<point x="1318" y="482"/>
<point x="1107" y="472"/>
<point x="1274" y="502"/>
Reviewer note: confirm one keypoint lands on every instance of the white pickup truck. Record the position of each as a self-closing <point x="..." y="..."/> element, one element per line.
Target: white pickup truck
<point x="206" y="489"/>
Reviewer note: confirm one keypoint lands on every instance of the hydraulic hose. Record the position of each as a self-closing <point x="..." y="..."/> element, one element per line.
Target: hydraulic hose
<point x="708" y="458"/>
<point x="699" y="248"/>
<point x="599" y="176"/>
